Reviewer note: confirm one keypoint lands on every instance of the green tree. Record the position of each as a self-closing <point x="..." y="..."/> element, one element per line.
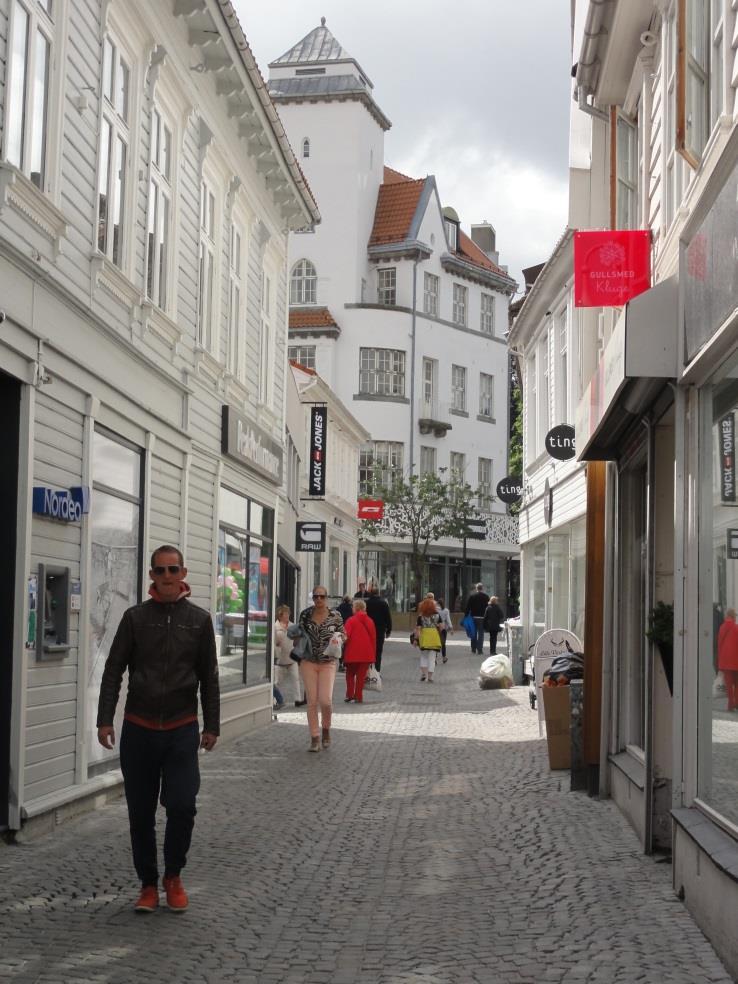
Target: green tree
<point x="421" y="510"/>
<point x="515" y="454"/>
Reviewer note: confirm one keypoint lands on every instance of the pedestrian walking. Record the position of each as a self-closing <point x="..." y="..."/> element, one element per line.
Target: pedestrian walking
<point x="359" y="650"/>
<point x="288" y="673"/>
<point x="318" y="666"/>
<point x="476" y="606"/>
<point x="362" y="591"/>
<point x="493" y="619"/>
<point x="446" y="626"/>
<point x="345" y="608"/>
<point x="167" y="645"/>
<point x="728" y="657"/>
<point x="379" y="612"/>
<point x="429" y="638"/>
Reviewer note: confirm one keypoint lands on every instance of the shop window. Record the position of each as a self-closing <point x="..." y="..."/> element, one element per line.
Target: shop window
<point x="244" y="588"/>
<point x="718" y="635"/>
<point x="558" y="580"/>
<point x="333" y="587"/>
<point x="115" y="564"/>
<point x="631" y="642"/>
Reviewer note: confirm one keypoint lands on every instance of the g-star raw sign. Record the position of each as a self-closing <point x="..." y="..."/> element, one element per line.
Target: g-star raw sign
<point x="310" y="537"/>
<point x="318" y="436"/>
<point x="611" y="267"/>
<point x="67" y="505"/>
<point x="560" y="442"/>
<point x="727" y="458"/>
<point x="510" y="489"/>
<point x="243" y="440"/>
<point x="372" y="509"/>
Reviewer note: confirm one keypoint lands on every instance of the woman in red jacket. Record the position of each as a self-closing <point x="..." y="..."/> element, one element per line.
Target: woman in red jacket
<point x="359" y="651"/>
<point x="728" y="657"/>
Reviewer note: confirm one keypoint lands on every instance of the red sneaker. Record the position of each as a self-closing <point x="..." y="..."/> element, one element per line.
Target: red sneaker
<point x="148" y="900"/>
<point x="176" y="896"/>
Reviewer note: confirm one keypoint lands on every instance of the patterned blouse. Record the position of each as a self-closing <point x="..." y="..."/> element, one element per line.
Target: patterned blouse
<point x="320" y="635"/>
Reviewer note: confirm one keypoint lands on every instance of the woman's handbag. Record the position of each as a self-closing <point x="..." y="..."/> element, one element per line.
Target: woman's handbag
<point x="300" y="642"/>
<point x="430" y="637"/>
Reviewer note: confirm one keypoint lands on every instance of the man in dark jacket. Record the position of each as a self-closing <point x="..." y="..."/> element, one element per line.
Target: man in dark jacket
<point x="378" y="611"/>
<point x="493" y="619"/>
<point x="168" y="647"/>
<point x="476" y="606"/>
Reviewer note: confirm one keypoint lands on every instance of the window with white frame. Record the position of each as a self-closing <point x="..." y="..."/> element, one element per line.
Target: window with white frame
<point x="382" y="372"/>
<point x="457" y="466"/>
<point x="562" y="374"/>
<point x="427" y="460"/>
<point x="461" y="295"/>
<point x="265" y="340"/>
<point x="717" y="68"/>
<point x="430" y="375"/>
<point x="387" y="285"/>
<point x="674" y="165"/>
<point x="693" y="109"/>
<point x="380" y="464"/>
<point x="626" y="143"/>
<point x="531" y="415"/>
<point x="487" y="316"/>
<point x="206" y="279"/>
<point x="158" y="232"/>
<point x="303" y="283"/>
<point x="304" y="355"/>
<point x="27" y="76"/>
<point x="430" y="294"/>
<point x="452" y="234"/>
<point x="112" y="184"/>
<point x="544" y="392"/>
<point x="237" y="310"/>
<point x="458" y="387"/>
<point x="484" y="483"/>
<point x="486" y="395"/>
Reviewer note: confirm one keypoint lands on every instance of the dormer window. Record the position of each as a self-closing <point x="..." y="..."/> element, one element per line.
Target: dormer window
<point x="306" y="147"/>
<point x="451" y="224"/>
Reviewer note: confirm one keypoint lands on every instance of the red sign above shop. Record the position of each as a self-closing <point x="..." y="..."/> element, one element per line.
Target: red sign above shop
<point x="611" y="267"/>
<point x="372" y="509"/>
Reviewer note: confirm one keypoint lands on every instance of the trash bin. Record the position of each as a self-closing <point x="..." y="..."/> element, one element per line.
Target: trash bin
<point x="514" y="636"/>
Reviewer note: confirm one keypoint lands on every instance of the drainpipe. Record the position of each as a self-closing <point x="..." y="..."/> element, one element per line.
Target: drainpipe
<point x="650" y="651"/>
<point x="412" y="367"/>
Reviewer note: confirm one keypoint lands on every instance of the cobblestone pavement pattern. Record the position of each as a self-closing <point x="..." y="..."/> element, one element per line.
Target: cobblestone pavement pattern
<point x="429" y="845"/>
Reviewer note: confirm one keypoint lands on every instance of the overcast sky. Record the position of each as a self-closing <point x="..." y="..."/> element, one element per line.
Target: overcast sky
<point x="478" y="92"/>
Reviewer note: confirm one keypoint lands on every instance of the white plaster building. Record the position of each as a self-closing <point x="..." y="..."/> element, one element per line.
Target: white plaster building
<point x="400" y="312"/>
<point x="147" y="189"/>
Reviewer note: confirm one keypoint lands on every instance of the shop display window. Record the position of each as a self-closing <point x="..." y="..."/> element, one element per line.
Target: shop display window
<point x="718" y="676"/>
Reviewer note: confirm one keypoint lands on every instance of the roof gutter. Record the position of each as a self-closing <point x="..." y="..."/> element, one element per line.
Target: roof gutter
<point x="252" y="69"/>
<point x="589" y="63"/>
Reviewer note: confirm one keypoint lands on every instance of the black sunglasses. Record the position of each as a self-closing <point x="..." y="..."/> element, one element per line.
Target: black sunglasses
<point x="172" y="568"/>
<point x="319" y="595"/>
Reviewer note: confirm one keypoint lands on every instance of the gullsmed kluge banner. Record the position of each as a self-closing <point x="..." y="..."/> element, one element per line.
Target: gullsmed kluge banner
<point x="318" y="434"/>
<point x="611" y="267"/>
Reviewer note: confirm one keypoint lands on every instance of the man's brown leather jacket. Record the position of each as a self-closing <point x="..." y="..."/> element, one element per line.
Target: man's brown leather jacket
<point x="169" y="651"/>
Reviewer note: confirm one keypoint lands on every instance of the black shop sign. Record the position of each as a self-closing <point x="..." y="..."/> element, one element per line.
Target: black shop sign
<point x="560" y="442"/>
<point x="510" y="489"/>
<point x="317" y="461"/>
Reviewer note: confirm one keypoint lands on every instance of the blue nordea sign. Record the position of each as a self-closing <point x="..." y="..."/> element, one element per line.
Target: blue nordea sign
<point x="66" y="505"/>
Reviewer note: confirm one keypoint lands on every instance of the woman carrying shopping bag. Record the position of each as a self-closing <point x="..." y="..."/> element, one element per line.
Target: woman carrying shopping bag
<point x="324" y="629"/>
<point x="429" y="638"/>
<point x="359" y="651"/>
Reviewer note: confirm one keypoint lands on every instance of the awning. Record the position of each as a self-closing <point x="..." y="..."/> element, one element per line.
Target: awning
<point x="639" y="358"/>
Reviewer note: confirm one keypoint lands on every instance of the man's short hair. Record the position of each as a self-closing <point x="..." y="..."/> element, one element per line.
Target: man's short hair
<point x="167" y="548"/>
<point x="479" y="587"/>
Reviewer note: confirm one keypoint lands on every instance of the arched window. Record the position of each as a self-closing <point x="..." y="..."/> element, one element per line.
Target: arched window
<point x="306" y="147"/>
<point x="303" y="283"/>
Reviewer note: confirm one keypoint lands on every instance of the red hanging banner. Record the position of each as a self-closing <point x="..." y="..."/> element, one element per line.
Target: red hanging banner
<point x="611" y="266"/>
<point x="370" y="509"/>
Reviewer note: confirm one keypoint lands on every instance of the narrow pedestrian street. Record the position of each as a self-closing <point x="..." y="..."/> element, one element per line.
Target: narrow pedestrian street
<point x="429" y="844"/>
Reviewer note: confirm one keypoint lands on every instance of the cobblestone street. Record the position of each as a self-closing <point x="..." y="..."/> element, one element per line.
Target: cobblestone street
<point x="430" y="844"/>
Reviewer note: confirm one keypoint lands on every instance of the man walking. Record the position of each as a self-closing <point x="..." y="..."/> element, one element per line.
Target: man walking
<point x="168" y="647"/>
<point x="476" y="606"/>
<point x="493" y="619"/>
<point x="379" y="612"/>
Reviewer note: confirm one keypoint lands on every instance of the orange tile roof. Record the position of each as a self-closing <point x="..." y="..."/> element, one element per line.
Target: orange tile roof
<point x="396" y="205"/>
<point x="394" y="177"/>
<point x="473" y="254"/>
<point x="314" y="317"/>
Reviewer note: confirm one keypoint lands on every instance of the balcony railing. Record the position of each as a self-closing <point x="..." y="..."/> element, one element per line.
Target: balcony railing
<point x="433" y="417"/>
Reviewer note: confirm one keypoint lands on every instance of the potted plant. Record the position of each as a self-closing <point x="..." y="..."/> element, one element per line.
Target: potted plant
<point x="661" y="633"/>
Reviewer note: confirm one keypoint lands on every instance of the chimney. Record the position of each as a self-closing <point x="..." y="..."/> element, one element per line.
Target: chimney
<point x="484" y="236"/>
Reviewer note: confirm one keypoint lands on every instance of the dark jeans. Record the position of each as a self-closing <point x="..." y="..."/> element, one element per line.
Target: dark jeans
<point x="477" y="642"/>
<point x="378" y="651"/>
<point x="444" y="633"/>
<point x="160" y="764"/>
